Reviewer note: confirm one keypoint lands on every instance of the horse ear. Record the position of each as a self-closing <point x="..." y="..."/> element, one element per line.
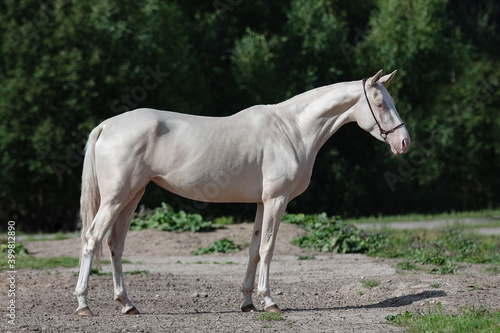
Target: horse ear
<point x="374" y="79"/>
<point x="386" y="78"/>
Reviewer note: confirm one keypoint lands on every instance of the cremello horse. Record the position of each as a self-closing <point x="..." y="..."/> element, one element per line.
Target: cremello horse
<point x="263" y="154"/>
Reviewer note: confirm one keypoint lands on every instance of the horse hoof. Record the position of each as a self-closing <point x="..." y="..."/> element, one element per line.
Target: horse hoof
<point x="249" y="308"/>
<point x="132" y="311"/>
<point x="273" y="308"/>
<point x="84" y="312"/>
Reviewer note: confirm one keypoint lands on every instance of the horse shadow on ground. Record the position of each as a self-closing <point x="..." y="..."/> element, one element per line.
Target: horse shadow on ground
<point x="393" y="302"/>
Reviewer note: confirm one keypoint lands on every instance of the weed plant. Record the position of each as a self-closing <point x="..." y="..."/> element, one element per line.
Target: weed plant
<point x="441" y="249"/>
<point x="370" y="283"/>
<point x="166" y="219"/>
<point x="330" y="234"/>
<point x="224" y="245"/>
<point x="435" y="320"/>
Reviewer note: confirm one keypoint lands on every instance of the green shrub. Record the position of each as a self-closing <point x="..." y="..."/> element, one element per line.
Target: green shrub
<point x="19" y="248"/>
<point x="164" y="218"/>
<point x="442" y="249"/>
<point x="224" y="245"/>
<point x="330" y="234"/>
<point x="224" y="220"/>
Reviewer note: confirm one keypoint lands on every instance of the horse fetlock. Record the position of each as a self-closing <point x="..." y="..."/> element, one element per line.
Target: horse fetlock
<point x="81" y="293"/>
<point x="266" y="292"/>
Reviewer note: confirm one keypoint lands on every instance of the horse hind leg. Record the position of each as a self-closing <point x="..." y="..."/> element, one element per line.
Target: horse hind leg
<point x="105" y="217"/>
<point x="116" y="243"/>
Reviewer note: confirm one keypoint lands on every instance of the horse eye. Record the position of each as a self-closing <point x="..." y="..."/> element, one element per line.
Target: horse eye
<point x="379" y="105"/>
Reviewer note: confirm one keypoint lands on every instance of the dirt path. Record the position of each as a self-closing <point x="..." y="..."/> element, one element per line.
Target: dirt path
<point x="184" y="293"/>
<point x="484" y="229"/>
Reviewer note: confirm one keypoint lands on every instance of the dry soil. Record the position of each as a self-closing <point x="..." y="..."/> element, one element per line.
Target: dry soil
<point x="186" y="293"/>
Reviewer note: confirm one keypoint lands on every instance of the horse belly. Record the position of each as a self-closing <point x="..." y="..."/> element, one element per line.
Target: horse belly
<point x="218" y="185"/>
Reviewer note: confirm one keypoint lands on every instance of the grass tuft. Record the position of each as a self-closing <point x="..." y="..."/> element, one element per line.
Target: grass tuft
<point x="224" y="245"/>
<point x="370" y="283"/>
<point x="435" y="320"/>
<point x="406" y="265"/>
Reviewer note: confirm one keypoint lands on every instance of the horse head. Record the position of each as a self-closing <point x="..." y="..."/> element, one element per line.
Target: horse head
<point x="377" y="114"/>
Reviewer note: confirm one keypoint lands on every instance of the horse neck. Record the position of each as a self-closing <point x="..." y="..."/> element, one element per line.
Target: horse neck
<point x="320" y="112"/>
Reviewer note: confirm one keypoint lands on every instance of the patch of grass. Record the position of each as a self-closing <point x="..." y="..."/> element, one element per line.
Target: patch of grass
<point x="270" y="316"/>
<point x="224" y="220"/>
<point x="435" y="285"/>
<point x="137" y="272"/>
<point x="361" y="292"/>
<point x="225" y="263"/>
<point x="18" y="249"/>
<point x="478" y="286"/>
<point x="306" y="258"/>
<point x="330" y="234"/>
<point x="494" y="270"/>
<point x="95" y="271"/>
<point x="29" y="261"/>
<point x="224" y="245"/>
<point x="406" y="265"/>
<point x="49" y="237"/>
<point x="370" y="283"/>
<point x="426" y="217"/>
<point x="444" y="265"/>
<point x="435" y="320"/>
<point x="441" y="249"/>
<point x="166" y="219"/>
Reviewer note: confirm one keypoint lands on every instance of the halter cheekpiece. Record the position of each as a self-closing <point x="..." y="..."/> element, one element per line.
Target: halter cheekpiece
<point x="383" y="133"/>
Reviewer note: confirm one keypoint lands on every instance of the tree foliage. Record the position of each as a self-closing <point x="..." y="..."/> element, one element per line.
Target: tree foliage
<point x="66" y="65"/>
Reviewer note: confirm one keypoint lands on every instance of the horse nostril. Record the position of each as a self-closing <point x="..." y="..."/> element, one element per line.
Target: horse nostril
<point x="404" y="144"/>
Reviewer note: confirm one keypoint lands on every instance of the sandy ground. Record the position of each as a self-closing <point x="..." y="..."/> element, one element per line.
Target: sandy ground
<point x="185" y="293"/>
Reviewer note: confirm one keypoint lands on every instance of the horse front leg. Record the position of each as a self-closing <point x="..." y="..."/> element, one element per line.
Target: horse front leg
<point x="273" y="212"/>
<point x="253" y="261"/>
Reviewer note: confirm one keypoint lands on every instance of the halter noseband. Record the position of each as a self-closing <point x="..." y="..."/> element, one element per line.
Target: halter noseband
<point x="383" y="133"/>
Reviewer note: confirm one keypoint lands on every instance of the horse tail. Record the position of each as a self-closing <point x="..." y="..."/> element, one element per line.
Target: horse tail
<point x="90" y="198"/>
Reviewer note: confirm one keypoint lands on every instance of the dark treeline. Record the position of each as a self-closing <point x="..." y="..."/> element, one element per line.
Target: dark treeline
<point x="67" y="65"/>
